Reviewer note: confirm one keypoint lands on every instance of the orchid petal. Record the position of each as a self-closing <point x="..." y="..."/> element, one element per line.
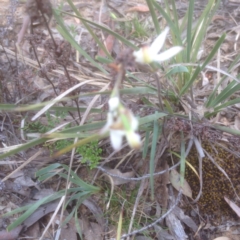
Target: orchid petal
<point x="134" y="123"/>
<point x="134" y="140"/>
<point x="116" y="137"/>
<point x="167" y="54"/>
<point x="113" y="103"/>
<point x="159" y="41"/>
<point x="108" y="124"/>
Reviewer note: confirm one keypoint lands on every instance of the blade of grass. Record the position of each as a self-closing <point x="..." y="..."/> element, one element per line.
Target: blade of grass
<point x="200" y="68"/>
<point x="171" y="24"/>
<point x="84" y="141"/>
<point x="120" y="221"/>
<point x="189" y="29"/>
<point x="65" y="33"/>
<point x="182" y="160"/>
<point x="228" y="130"/>
<point x="169" y="13"/>
<point x="100" y="44"/>
<point x="175" y="15"/>
<point x="152" y="155"/>
<point x="107" y="30"/>
<point x="212" y="95"/>
<point x="226" y="93"/>
<point x="145" y="147"/>
<point x="23" y="147"/>
<point x="222" y="106"/>
<point x="201" y="27"/>
<point x="33" y="208"/>
<point x="153" y="15"/>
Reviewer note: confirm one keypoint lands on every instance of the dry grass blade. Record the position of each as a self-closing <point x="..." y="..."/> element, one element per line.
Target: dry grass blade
<point x="23" y="165"/>
<point x="58" y="98"/>
<point x="234" y="207"/>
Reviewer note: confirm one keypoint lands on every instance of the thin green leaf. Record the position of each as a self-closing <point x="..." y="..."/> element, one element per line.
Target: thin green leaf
<point x="172" y="25"/>
<point x="177" y="69"/>
<point x="33" y="208"/>
<point x="145" y="147"/>
<point x="47" y="169"/>
<point x="153" y="15"/>
<point x="152" y="155"/>
<point x="107" y="30"/>
<point x="16" y="211"/>
<point x="182" y="160"/>
<point x="120" y="224"/>
<point x="77" y="224"/>
<point x="100" y="44"/>
<point x="175" y="16"/>
<point x="80" y="182"/>
<point x="201" y="27"/>
<point x="103" y="60"/>
<point x="200" y="68"/>
<point x="226" y="93"/>
<point x="168" y="106"/>
<point x="189" y="29"/>
<point x="151" y="118"/>
<point x="214" y="50"/>
<point x="23" y="147"/>
<point x="227" y="129"/>
<point x="65" y="33"/>
<point x="69" y="216"/>
<point x="212" y="95"/>
<point x="222" y="106"/>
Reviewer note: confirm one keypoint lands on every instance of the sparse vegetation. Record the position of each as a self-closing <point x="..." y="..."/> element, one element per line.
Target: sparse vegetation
<point x="126" y="109"/>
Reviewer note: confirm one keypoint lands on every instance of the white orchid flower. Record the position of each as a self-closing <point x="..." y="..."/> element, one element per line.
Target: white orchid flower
<point x="148" y="54"/>
<point x="121" y="122"/>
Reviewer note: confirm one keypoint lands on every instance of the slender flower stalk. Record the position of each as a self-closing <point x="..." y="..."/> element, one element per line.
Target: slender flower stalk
<point x="148" y="54"/>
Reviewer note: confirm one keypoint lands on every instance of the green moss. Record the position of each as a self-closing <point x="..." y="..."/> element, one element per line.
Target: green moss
<point x="215" y="183"/>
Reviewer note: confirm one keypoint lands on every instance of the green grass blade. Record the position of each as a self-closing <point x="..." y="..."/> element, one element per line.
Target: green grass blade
<point x="175" y="16"/>
<point x="107" y="30"/>
<point x="33" y="208"/>
<point x="214" y="50"/>
<point x="171" y="24"/>
<point x="182" y="160"/>
<point x="23" y="147"/>
<point x="168" y="106"/>
<point x="189" y="29"/>
<point x="202" y="26"/>
<point x="226" y="104"/>
<point x="145" y="147"/>
<point x="17" y="210"/>
<point x="42" y="172"/>
<point x="151" y="118"/>
<point x="177" y="69"/>
<point x="226" y="93"/>
<point x="77" y="223"/>
<point x="228" y="130"/>
<point x="212" y="95"/>
<point x="153" y="15"/>
<point x="200" y="68"/>
<point x="65" y="33"/>
<point x="100" y="44"/>
<point x="152" y="155"/>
